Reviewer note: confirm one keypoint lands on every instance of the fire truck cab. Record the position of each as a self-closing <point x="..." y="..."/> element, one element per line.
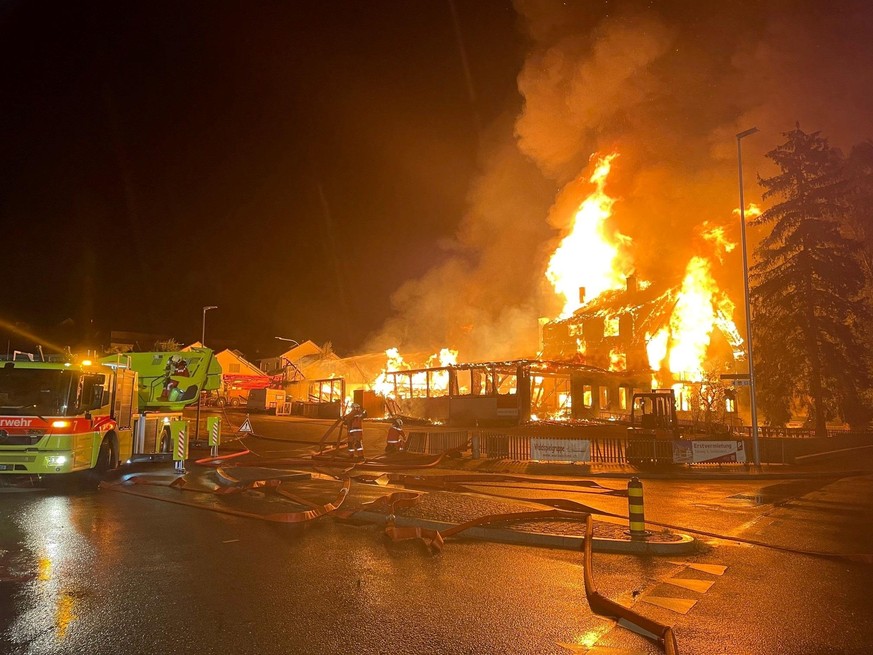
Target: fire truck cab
<point x="61" y="417"/>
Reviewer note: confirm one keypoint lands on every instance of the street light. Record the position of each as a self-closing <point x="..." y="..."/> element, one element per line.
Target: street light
<point x="203" y="331"/>
<point x="754" y="407"/>
<point x="288" y="361"/>
<point x="203" y="345"/>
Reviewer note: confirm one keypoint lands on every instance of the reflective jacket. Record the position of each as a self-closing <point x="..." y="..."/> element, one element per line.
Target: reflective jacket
<point x="395" y="435"/>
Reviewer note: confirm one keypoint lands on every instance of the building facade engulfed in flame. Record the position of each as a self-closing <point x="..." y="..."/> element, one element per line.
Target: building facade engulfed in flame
<point x="616" y="335"/>
<point x="677" y="335"/>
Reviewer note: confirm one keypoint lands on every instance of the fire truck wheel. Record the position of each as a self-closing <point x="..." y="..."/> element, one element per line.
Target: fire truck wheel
<point x="166" y="441"/>
<point x="234" y="402"/>
<point x="107" y="458"/>
<point x="221" y="402"/>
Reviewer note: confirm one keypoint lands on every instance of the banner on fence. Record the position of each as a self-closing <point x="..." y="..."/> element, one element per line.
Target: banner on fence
<point x="708" y="452"/>
<point x="560" y="450"/>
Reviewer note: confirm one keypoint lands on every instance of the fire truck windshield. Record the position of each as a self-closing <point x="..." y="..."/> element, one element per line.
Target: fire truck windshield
<point x="38" y="392"/>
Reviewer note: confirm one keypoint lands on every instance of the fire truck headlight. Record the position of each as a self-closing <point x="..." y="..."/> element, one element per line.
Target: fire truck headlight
<point x="56" y="460"/>
<point x="61" y="424"/>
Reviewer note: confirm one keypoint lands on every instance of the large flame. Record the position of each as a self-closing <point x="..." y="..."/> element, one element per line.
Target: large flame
<point x="593" y="256"/>
<point x="681" y="346"/>
<point x="589" y="255"/>
<point x="418" y="384"/>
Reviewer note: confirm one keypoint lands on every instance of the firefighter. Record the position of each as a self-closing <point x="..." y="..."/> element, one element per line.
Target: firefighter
<point x="176" y="367"/>
<point x="396" y="439"/>
<point x="354" y="422"/>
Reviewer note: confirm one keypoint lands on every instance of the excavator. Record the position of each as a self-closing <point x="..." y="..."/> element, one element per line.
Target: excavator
<point x="653" y="428"/>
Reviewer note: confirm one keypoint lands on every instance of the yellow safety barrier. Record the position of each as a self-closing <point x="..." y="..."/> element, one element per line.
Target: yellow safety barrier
<point x="179" y="436"/>
<point x="636" y="515"/>
<point x="213" y="429"/>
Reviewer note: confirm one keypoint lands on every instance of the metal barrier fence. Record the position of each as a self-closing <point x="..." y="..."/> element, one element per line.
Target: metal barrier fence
<point x="770" y="432"/>
<point x="618" y="450"/>
<point x="434" y="443"/>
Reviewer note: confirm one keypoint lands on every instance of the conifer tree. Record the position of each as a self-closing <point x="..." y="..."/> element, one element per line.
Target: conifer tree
<point x="807" y="285"/>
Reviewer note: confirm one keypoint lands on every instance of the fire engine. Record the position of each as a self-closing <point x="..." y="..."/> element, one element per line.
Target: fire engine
<point x="61" y="417"/>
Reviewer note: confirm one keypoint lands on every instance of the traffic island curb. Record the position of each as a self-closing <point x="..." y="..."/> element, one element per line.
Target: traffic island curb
<point x="685" y="544"/>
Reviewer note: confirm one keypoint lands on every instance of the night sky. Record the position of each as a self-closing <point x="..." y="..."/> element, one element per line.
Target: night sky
<point x="290" y="162"/>
<point x="376" y="173"/>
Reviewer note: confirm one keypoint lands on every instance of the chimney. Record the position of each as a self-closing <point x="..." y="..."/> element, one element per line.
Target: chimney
<point x="581" y="295"/>
<point x="632" y="286"/>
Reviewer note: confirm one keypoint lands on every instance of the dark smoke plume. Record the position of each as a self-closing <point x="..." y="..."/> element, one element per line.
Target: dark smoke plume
<point x="667" y="85"/>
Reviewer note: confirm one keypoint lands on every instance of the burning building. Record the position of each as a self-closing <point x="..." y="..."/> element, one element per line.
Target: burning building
<point x="510" y="392"/>
<point x="616" y="334"/>
<point x="681" y="334"/>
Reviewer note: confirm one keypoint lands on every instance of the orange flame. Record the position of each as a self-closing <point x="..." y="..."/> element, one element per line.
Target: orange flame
<point x="752" y="211"/>
<point x="418" y="384"/>
<point x="700" y="307"/>
<point x="716" y="236"/>
<point x="593" y="256"/>
<point x="617" y="360"/>
<point x="589" y="255"/>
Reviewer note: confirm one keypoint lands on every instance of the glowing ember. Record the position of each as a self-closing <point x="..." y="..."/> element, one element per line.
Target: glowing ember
<point x="589" y="255"/>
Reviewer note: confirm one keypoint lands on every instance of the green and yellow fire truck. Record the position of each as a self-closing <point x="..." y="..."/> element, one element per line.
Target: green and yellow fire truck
<point x="60" y="417"/>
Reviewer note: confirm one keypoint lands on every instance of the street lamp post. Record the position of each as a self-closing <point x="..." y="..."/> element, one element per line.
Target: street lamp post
<point x="202" y="344"/>
<point x="754" y="408"/>
<point x="289" y="363"/>
<point x="203" y="329"/>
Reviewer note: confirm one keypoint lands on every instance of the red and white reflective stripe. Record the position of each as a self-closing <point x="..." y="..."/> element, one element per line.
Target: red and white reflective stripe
<point x="103" y="423"/>
<point x="180" y="445"/>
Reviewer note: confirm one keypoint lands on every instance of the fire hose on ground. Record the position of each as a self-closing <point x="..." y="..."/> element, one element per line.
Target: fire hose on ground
<point x="434" y="539"/>
<point x="453" y="483"/>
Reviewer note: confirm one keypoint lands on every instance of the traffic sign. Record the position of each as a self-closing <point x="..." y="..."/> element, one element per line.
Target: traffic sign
<point x="246" y="426"/>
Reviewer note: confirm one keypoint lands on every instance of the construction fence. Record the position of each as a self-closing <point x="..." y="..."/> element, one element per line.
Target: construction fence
<point x="488" y="444"/>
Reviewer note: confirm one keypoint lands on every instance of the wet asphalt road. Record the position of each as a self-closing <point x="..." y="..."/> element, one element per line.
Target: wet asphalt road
<point x="99" y="572"/>
<point x="108" y="573"/>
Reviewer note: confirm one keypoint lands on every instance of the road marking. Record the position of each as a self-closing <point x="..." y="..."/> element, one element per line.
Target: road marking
<point x="678" y="605"/>
<point x="714" y="569"/>
<point x="599" y="650"/>
<point x="701" y="586"/>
